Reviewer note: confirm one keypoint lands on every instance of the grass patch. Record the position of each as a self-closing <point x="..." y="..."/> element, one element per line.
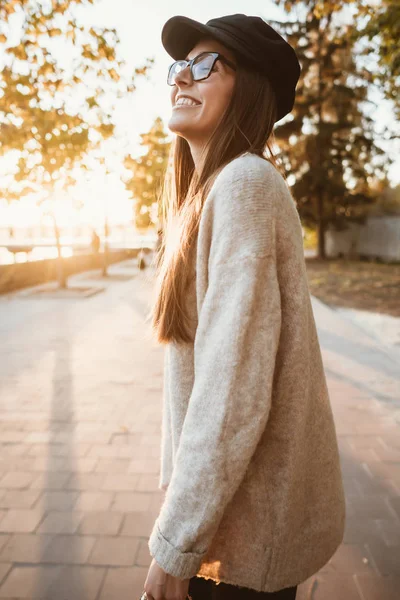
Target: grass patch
<point x="366" y="285"/>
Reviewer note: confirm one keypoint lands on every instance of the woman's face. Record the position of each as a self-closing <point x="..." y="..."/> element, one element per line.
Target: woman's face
<point x="196" y="123"/>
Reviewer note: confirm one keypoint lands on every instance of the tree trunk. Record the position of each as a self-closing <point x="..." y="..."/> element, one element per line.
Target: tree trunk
<point x="61" y="276"/>
<point x="319" y="186"/>
<point x="321" y="224"/>
<point x="105" y="253"/>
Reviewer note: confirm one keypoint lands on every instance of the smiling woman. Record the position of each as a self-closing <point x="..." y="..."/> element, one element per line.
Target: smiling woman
<point x="254" y="501"/>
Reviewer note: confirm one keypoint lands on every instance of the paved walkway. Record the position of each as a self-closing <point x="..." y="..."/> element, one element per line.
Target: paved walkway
<point x="80" y="409"/>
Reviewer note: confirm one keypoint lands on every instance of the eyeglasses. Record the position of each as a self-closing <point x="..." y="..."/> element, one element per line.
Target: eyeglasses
<point x="201" y="66"/>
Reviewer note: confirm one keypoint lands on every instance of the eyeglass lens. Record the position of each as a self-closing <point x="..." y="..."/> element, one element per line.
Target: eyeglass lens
<point x="201" y="68"/>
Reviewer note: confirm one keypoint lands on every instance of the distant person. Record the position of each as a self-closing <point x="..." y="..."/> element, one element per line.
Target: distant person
<point x="254" y="499"/>
<point x="95" y="242"/>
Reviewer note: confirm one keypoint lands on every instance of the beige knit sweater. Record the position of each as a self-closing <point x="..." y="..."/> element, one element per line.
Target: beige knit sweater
<point x="249" y="454"/>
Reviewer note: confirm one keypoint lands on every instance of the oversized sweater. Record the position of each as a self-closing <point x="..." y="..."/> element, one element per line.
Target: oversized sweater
<point x="249" y="455"/>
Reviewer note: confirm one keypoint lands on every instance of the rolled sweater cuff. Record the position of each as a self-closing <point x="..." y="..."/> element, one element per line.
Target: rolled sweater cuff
<point x="172" y="560"/>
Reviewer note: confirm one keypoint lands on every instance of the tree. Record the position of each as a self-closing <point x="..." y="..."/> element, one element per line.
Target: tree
<point x="380" y="26"/>
<point x="53" y="109"/>
<point x="328" y="147"/>
<point x="147" y="175"/>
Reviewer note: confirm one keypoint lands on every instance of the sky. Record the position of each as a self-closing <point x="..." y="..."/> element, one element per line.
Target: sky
<point x="139" y="26"/>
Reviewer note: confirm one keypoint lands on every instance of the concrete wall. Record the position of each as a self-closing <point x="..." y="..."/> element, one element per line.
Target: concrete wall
<point x="379" y="237"/>
<point x="20" y="275"/>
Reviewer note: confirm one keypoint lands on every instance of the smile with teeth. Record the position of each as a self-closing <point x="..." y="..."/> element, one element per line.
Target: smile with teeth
<point x="186" y="102"/>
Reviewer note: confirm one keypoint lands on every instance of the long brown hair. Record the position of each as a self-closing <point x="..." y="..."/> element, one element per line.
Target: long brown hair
<point x="246" y="126"/>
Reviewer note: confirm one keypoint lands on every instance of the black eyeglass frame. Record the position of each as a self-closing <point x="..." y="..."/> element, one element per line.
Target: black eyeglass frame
<point x="189" y="63"/>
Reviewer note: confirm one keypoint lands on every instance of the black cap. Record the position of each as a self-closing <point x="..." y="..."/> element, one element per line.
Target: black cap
<point x="252" y="41"/>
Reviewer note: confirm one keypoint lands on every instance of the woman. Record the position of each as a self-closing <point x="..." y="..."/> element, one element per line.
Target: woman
<point x="254" y="502"/>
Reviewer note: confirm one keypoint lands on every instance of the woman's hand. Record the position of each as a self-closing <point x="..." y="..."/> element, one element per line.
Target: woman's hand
<point x="160" y="585"/>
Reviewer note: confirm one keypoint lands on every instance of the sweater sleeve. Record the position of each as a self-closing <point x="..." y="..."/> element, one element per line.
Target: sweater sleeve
<point x="234" y="354"/>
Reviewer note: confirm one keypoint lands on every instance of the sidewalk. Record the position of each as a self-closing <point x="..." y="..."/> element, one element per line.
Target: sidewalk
<point x="80" y="418"/>
<point x="384" y="328"/>
<point x="364" y="384"/>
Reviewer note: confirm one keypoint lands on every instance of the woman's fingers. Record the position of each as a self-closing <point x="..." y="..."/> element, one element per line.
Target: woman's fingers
<point x="160" y="585"/>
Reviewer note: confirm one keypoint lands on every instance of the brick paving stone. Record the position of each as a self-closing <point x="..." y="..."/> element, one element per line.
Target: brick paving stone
<point x="21" y="520"/>
<point x="81" y="465"/>
<point x="148" y="451"/>
<point x="78" y="450"/>
<point x="13" y="449"/>
<point x="49" y="481"/>
<point x="377" y="487"/>
<point x="359" y="531"/>
<point x="138" y="524"/>
<point x="395" y="505"/>
<point x="19" y="498"/>
<point x="57" y="500"/>
<point x="95" y="437"/>
<point x="131" y="501"/>
<point x="390" y="531"/>
<point x="21" y="464"/>
<point x="29" y="582"/>
<point x="33" y="424"/>
<point x="24" y="548"/>
<point x="149" y="441"/>
<point x="84" y="482"/>
<point x="101" y="523"/>
<point x="123" y="583"/>
<point x="115" y="551"/>
<point x="157" y="501"/>
<point x="384" y="588"/>
<point x="77" y="583"/>
<point x="396" y="486"/>
<point x="61" y="522"/>
<point x="364" y="455"/>
<point x="383" y="470"/>
<point x="386" y="558"/>
<point x="91" y="500"/>
<point x="144" y="465"/>
<point x="112" y="465"/>
<point x="16" y="480"/>
<point x="128" y="439"/>
<point x="4" y="537"/>
<point x="322" y="587"/>
<point x="43" y="463"/>
<point x="110" y="451"/>
<point x="143" y="558"/>
<point x="120" y="482"/>
<point x="372" y="507"/>
<point x="148" y="483"/>
<point x="12" y="436"/>
<point x="380" y="428"/>
<point x="39" y="437"/>
<point x="386" y="454"/>
<point x="4" y="570"/>
<point x="391" y="441"/>
<point x="352" y="490"/>
<point x="369" y="442"/>
<point x="73" y="549"/>
<point x="351" y="558"/>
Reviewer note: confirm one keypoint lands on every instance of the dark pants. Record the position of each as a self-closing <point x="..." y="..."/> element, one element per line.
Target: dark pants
<point x="207" y="589"/>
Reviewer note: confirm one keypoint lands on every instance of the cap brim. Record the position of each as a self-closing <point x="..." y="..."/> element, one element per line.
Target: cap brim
<point x="180" y="34"/>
